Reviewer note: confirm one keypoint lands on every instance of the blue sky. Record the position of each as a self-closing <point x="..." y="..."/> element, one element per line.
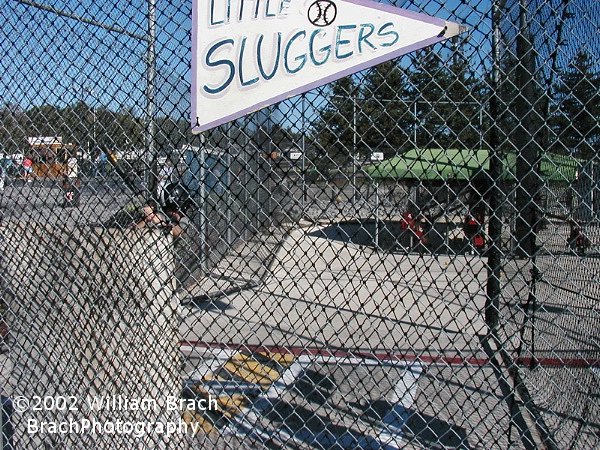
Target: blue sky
<point x="57" y="60"/>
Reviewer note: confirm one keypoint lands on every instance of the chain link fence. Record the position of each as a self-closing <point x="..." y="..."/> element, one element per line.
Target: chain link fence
<point x="404" y="258"/>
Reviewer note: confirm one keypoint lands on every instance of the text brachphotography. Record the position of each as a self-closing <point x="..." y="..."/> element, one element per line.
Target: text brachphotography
<point x="112" y="427"/>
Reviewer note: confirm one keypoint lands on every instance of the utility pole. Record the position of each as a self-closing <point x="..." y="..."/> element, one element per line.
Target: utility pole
<point x="354" y="133"/>
<point x="151" y="156"/>
<point x="303" y="152"/>
<point x="85" y="89"/>
<point x="150" y="40"/>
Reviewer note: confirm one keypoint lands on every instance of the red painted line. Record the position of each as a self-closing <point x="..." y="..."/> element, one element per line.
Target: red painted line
<point x="456" y="360"/>
<point x="559" y="362"/>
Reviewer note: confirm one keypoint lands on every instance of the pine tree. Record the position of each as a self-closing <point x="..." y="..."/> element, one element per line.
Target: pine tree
<point x="334" y="131"/>
<point x="575" y="122"/>
<point x="386" y="119"/>
<point x="429" y="83"/>
<point x="506" y="120"/>
<point x="465" y="95"/>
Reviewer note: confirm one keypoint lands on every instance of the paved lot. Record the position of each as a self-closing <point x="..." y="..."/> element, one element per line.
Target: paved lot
<point x="311" y="401"/>
<point x="324" y="294"/>
<point x="311" y="341"/>
<point x="381" y="349"/>
<point x="40" y="202"/>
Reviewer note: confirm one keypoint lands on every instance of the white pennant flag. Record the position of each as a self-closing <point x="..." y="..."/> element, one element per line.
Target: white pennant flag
<point x="249" y="54"/>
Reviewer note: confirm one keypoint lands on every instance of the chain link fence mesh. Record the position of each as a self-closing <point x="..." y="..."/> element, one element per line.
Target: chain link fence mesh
<point x="304" y="293"/>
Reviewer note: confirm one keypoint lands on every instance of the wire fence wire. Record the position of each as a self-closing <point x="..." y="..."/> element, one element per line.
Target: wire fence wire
<point x="272" y="283"/>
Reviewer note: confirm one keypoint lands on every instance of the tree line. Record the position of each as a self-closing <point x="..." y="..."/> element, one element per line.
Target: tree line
<point x="441" y="104"/>
<point x="91" y="129"/>
<point x="433" y="103"/>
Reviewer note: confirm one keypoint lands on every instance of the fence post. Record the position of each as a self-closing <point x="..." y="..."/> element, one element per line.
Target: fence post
<point x="152" y="176"/>
<point x="202" y="219"/>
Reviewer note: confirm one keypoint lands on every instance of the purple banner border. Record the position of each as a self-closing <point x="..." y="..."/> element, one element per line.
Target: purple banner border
<point x="336" y="76"/>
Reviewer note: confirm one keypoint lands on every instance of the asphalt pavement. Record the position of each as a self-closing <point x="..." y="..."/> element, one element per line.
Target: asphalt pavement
<point x="382" y="350"/>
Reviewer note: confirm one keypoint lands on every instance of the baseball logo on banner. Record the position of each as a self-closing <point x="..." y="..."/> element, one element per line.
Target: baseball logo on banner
<point x="322" y="13"/>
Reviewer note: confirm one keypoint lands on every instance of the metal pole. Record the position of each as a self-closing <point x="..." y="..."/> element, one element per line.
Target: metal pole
<point x="354" y="148"/>
<point x="229" y="202"/>
<point x="95" y="144"/>
<point x="90" y="146"/>
<point x="415" y="129"/>
<point x="303" y="152"/>
<point x="525" y="136"/>
<point x="69" y="15"/>
<point x="480" y="128"/>
<point x="202" y="220"/>
<point x="447" y="217"/>
<point x="493" y="287"/>
<point x="151" y="176"/>
<point x="377" y="215"/>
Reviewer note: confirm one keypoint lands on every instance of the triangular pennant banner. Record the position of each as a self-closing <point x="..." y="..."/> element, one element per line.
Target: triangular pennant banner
<point x="249" y="54"/>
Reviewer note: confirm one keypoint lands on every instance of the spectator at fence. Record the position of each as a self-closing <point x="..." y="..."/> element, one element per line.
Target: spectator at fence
<point x="28" y="169"/>
<point x="473" y="230"/>
<point x="577" y="241"/>
<point x="171" y="217"/>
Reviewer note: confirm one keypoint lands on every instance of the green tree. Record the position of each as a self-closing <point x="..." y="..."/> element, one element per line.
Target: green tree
<point x="575" y="123"/>
<point x="465" y="116"/>
<point x="506" y="120"/>
<point x="12" y="129"/>
<point x="429" y="81"/>
<point x="386" y="119"/>
<point x="334" y="130"/>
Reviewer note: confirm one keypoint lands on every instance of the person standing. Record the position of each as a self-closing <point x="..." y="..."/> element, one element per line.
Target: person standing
<point x="28" y="169"/>
<point x="473" y="230"/>
<point x="577" y="241"/>
<point x="101" y="161"/>
<point x="71" y="182"/>
<point x="171" y="216"/>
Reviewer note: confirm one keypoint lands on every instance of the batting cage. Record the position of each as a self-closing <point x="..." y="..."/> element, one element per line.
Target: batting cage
<point x="329" y="224"/>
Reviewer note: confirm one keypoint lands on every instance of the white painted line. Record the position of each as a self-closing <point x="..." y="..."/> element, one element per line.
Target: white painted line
<point x="204" y="352"/>
<point x="403" y="398"/>
<point x="286" y="379"/>
<point x="250" y="416"/>
<point x="355" y="361"/>
<point x="389" y="434"/>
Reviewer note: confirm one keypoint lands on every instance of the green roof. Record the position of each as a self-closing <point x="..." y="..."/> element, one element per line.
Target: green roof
<point x="464" y="165"/>
<point x="553" y="167"/>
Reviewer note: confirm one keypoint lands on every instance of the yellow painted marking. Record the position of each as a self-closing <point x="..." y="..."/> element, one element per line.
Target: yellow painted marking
<point x="212" y="377"/>
<point x="285" y="359"/>
<point x="244" y="366"/>
<point x="250" y="370"/>
<point x="190" y="417"/>
<point x="257" y="366"/>
<point x="200" y="390"/>
<point x="231" y="405"/>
